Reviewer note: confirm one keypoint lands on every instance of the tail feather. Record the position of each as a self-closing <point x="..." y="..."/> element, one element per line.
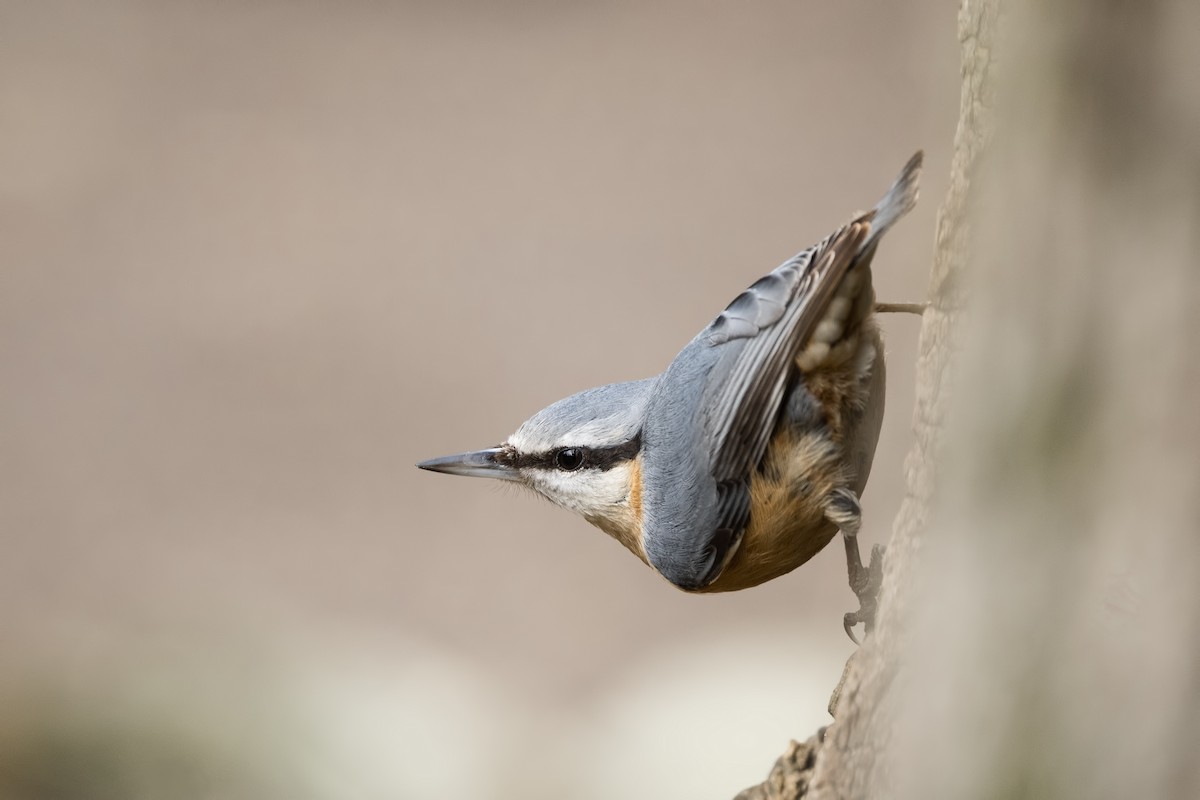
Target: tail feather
<point x="898" y="201"/>
<point x="834" y="339"/>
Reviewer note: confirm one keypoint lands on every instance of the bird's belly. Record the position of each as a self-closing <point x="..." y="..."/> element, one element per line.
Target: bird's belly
<point x="787" y="513"/>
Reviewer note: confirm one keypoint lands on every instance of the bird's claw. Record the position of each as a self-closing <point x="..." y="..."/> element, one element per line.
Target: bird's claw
<point x="848" y="622"/>
<point x="865" y="583"/>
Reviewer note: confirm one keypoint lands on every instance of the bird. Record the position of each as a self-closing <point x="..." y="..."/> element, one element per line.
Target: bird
<point x="749" y="452"/>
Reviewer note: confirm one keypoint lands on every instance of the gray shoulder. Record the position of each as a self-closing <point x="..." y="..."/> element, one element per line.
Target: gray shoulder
<point x="680" y="496"/>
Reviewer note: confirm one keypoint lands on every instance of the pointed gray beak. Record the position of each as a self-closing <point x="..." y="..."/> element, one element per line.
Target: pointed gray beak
<point x="479" y="464"/>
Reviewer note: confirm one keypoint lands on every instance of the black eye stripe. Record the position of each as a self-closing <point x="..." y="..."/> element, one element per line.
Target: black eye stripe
<point x="601" y="458"/>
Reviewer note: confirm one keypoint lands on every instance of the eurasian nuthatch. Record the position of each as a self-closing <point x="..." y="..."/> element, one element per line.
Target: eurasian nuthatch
<point x="744" y="458"/>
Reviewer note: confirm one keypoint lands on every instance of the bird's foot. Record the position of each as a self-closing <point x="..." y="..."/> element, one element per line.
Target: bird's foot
<point x="865" y="583"/>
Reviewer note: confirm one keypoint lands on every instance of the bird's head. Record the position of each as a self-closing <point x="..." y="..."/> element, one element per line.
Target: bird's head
<point x="580" y="453"/>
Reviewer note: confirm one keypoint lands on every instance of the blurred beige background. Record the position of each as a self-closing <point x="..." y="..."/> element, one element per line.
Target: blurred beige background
<point x="258" y="258"/>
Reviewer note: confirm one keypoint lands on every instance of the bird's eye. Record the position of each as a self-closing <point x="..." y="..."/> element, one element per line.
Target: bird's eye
<point x="569" y="458"/>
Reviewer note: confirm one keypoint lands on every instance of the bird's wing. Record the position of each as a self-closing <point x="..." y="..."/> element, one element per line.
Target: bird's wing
<point x="765" y="327"/>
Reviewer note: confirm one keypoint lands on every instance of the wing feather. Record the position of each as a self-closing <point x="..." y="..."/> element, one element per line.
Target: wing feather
<point x="745" y="406"/>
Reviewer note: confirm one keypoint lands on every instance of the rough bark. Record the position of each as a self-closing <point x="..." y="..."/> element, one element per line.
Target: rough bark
<point x="1058" y="651"/>
<point x="1039" y="634"/>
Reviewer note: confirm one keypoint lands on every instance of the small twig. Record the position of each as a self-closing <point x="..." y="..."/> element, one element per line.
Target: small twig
<point x="901" y="308"/>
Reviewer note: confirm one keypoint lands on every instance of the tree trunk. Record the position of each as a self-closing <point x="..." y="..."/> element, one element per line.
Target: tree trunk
<point x="1039" y="630"/>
